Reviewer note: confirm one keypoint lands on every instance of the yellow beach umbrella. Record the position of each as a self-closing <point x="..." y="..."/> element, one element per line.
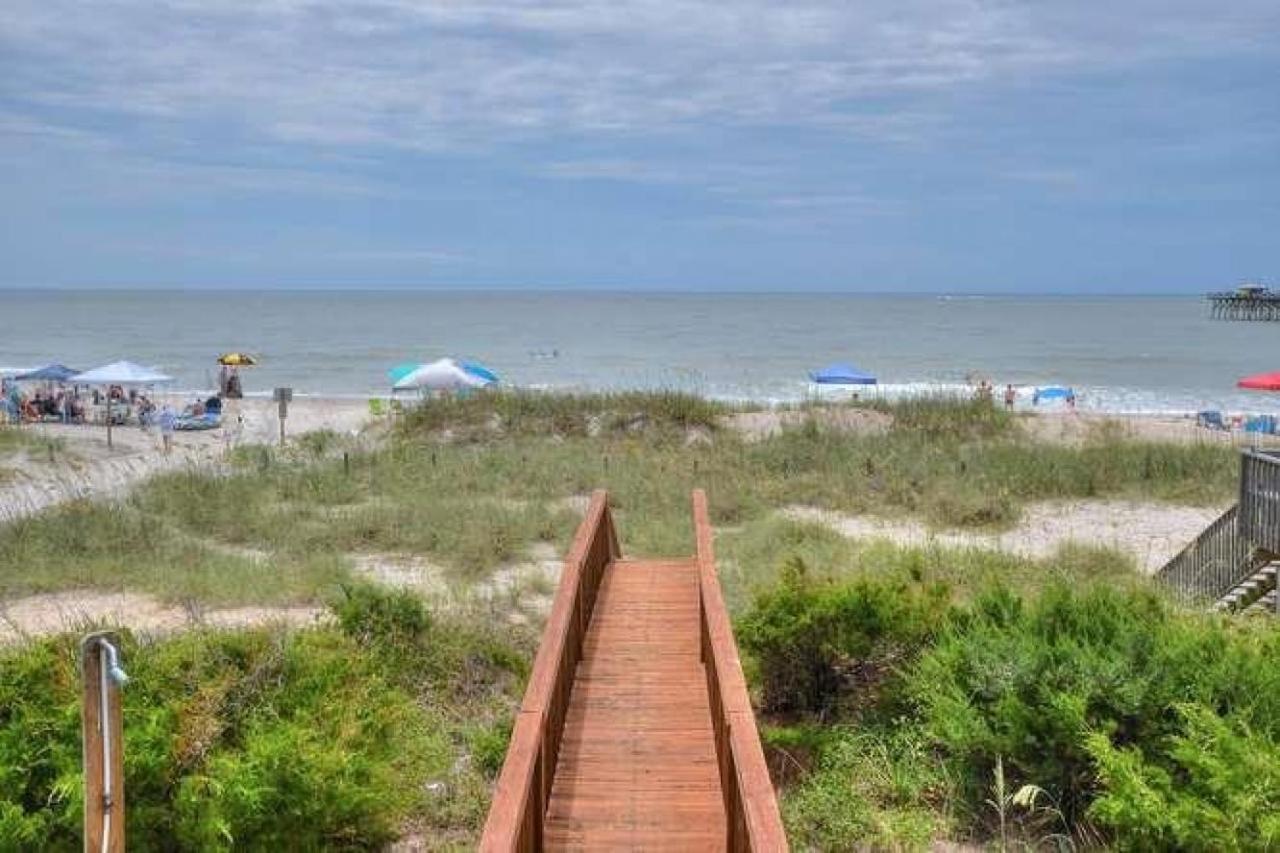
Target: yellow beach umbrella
<point x="237" y="359"/>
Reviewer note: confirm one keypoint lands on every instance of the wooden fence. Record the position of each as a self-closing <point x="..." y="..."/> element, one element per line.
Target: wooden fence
<point x="519" y="806"/>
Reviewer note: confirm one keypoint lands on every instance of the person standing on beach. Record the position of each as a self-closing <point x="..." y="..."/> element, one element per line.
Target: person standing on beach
<point x="1009" y="397"/>
<point x="166" y="420"/>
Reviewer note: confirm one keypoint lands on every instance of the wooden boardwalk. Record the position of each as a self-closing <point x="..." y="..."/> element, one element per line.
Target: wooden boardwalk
<point x="637" y="767"/>
<point x="636" y="731"/>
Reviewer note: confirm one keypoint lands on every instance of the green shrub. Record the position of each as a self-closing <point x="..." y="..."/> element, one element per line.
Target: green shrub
<point x="265" y="738"/>
<point x="374" y="613"/>
<point x="1030" y="680"/>
<point x="1212" y="785"/>
<point x="813" y="640"/>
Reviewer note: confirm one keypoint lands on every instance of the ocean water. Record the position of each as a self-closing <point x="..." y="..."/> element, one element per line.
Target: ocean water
<point x="1121" y="354"/>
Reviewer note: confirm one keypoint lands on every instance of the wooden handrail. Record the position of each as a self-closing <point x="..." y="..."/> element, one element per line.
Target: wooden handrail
<point x="751" y="806"/>
<point x="515" y="821"/>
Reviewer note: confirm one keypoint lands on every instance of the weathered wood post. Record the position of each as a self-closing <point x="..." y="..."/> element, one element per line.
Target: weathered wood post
<point x="283" y="396"/>
<point x="102" y="728"/>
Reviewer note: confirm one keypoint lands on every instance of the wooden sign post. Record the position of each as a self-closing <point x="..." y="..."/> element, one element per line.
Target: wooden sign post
<point x="283" y="396"/>
<point x="103" y="729"/>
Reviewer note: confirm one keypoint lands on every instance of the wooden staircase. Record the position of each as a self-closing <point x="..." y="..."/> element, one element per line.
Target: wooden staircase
<point x="1231" y="566"/>
<point x="1255" y="594"/>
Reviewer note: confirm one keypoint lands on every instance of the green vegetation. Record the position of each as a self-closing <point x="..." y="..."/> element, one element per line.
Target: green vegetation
<point x="1075" y="711"/>
<point x="751" y="559"/>
<point x="107" y="546"/>
<point x="913" y="694"/>
<point x="35" y="442"/>
<point x="470" y="484"/>
<point x="335" y="738"/>
<point x="482" y="416"/>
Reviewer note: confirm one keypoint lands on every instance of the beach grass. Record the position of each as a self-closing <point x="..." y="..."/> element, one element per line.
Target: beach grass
<point x="754" y="556"/>
<point x="472" y="484"/>
<point x="114" y="547"/>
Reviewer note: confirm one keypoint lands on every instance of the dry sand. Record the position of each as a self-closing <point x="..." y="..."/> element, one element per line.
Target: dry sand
<point x="86" y="468"/>
<point x="38" y="615"/>
<point x="1152" y="533"/>
<point x="756" y="426"/>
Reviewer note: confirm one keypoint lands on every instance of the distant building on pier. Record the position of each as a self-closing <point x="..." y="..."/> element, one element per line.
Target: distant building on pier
<point x="1246" y="302"/>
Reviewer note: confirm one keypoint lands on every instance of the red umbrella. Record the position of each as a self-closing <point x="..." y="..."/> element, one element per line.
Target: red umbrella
<point x="1261" y="382"/>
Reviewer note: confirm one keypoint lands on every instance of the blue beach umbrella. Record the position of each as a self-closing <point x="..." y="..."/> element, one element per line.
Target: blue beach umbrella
<point x="48" y="373"/>
<point x="842" y="374"/>
<point x="400" y="371"/>
<point x="477" y="369"/>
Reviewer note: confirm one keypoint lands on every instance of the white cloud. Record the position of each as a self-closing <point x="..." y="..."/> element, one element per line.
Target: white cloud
<point x="461" y="75"/>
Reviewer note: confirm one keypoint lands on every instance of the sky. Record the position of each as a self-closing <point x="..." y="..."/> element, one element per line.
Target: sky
<point x="880" y="146"/>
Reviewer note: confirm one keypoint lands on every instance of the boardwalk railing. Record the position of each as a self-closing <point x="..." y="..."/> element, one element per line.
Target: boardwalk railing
<point x="1235" y="545"/>
<point x="1260" y="499"/>
<point x="520" y="801"/>
<point x="1214" y="562"/>
<point x="751" y="807"/>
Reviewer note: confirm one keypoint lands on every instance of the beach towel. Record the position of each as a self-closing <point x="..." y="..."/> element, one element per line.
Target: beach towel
<point x="187" y="423"/>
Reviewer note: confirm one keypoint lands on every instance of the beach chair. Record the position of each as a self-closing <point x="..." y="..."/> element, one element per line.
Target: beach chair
<point x="1211" y="420"/>
<point x="1262" y="425"/>
<point x="375" y="407"/>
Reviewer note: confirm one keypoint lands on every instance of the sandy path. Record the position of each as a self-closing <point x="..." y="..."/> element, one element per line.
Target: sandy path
<point x="524" y="588"/>
<point x="1153" y="533"/>
<point x="39" y="615"/>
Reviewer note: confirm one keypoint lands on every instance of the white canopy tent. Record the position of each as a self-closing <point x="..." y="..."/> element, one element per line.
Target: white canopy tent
<point x="442" y="375"/>
<point x="122" y="373"/>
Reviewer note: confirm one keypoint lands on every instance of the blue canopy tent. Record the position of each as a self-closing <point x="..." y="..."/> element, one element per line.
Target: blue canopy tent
<point x="1052" y="392"/>
<point x="48" y="373"/>
<point x="842" y="374"/>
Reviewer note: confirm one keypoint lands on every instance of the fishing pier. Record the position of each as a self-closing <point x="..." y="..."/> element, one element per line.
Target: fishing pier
<point x="1250" y="302"/>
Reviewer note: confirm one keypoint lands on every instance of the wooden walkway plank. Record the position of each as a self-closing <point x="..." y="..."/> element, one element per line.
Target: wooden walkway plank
<point x="637" y="767"/>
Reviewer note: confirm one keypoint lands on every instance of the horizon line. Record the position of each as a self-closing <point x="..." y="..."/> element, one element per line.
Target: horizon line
<point x="591" y="291"/>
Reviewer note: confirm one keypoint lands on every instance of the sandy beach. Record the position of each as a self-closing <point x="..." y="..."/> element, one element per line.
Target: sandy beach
<point x="84" y="467"/>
